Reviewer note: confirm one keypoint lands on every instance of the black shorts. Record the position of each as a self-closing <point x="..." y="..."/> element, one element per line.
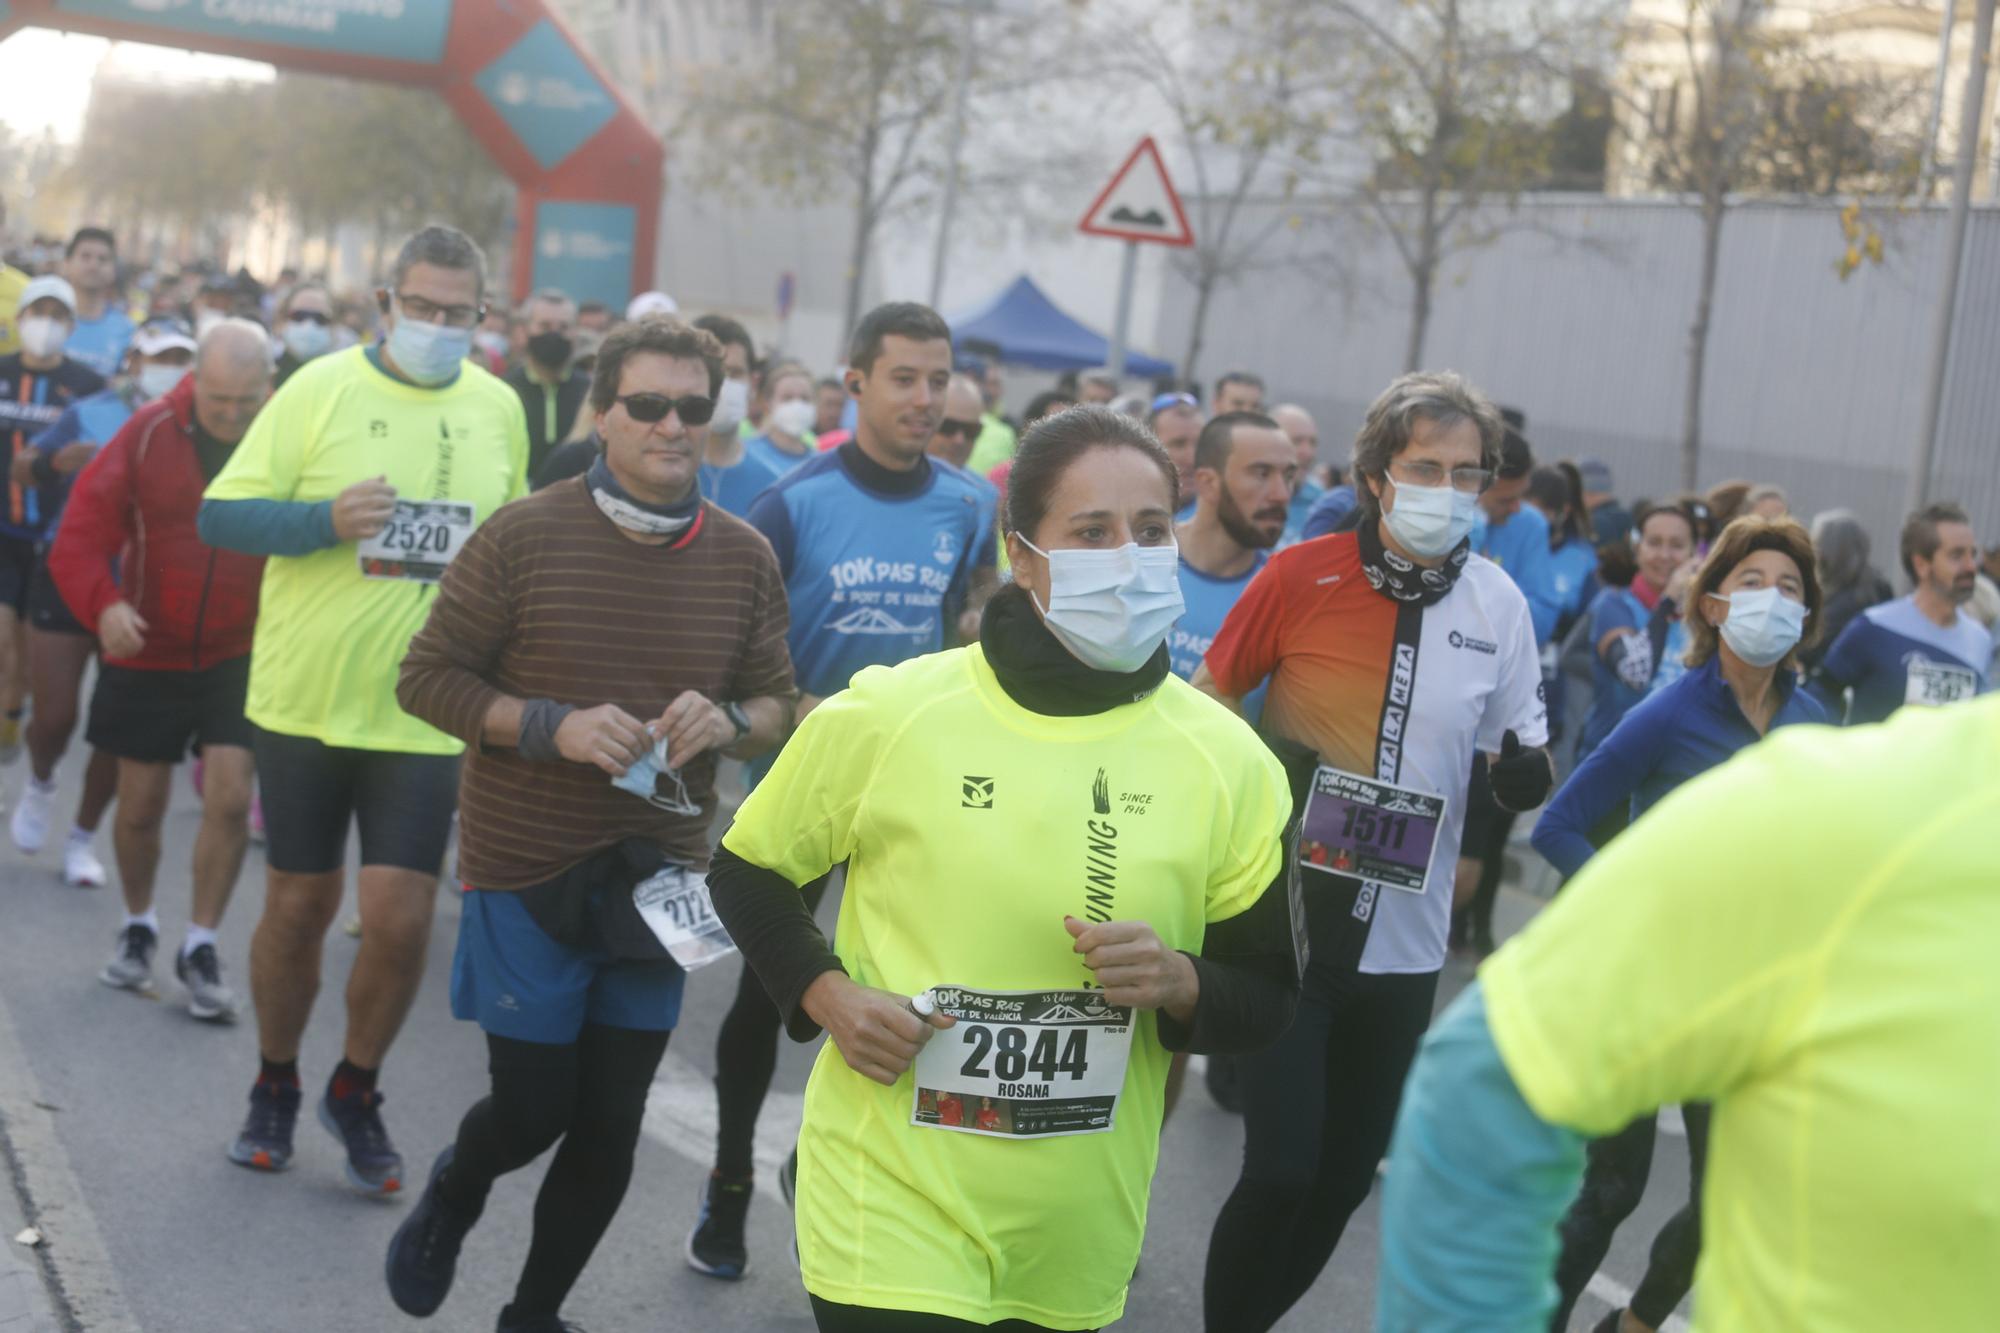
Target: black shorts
<point x="161" y="717"/>
<point x="47" y="611"/>
<point x="17" y="571"/>
<point x="311" y="791"/>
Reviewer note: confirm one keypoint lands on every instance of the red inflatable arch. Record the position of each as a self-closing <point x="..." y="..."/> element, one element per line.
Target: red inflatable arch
<point x="588" y="171"/>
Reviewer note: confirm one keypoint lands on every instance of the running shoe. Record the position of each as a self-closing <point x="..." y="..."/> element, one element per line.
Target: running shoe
<point x="30" y="824"/>
<point x="81" y="868"/>
<point x="373" y="1164"/>
<point x="716" y="1245"/>
<point x="208" y="999"/>
<point x="536" y="1324"/>
<point x="265" y="1143"/>
<point x="423" y="1255"/>
<point x="131" y="965"/>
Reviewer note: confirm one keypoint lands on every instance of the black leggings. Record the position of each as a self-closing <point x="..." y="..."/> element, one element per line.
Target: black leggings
<point x="1318" y="1107"/>
<point x="833" y="1318"/>
<point x="1614" y="1180"/>
<point x="592" y="1096"/>
<point x="746" y="1056"/>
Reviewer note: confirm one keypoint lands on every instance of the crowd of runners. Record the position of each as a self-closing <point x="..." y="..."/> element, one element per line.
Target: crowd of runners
<point x="1128" y="725"/>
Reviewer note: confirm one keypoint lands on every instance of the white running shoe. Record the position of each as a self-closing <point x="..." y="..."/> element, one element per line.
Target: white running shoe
<point x="30" y="824"/>
<point x="81" y="868"/>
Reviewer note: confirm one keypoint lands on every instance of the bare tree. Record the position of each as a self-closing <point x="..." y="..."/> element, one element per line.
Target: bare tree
<point x="1450" y="100"/>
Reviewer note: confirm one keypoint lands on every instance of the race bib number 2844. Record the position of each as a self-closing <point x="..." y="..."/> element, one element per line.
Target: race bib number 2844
<point x="1023" y="1064"/>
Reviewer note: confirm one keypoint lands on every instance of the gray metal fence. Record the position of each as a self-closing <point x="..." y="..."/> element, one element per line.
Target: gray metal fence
<point x="1578" y="314"/>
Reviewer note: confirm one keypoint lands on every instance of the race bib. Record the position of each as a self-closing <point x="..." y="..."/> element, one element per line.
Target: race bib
<point x="1934" y="683"/>
<point x="675" y="906"/>
<point x="1373" y="830"/>
<point x="1023" y="1064"/>
<point x="420" y="539"/>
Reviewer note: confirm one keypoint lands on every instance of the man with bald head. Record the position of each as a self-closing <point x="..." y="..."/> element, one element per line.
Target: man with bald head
<point x="175" y="629"/>
<point x="1303" y="432"/>
<point x="952" y="442"/>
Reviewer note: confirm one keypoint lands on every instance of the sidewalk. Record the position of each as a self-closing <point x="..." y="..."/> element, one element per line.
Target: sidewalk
<point x="25" y="1304"/>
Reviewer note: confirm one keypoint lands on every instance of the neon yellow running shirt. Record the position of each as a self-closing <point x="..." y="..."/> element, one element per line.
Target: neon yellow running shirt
<point x="330" y="640"/>
<point x="971" y="827"/>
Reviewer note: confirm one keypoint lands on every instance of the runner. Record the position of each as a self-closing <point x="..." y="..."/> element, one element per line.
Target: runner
<point x="361" y="479"/>
<point x="1176" y="420"/>
<point x="735" y="471"/>
<point x="552" y="389"/>
<point x="739" y="376"/>
<point x="952" y="443"/>
<point x="788" y="436"/>
<point x="1919" y="649"/>
<point x="1752" y="601"/>
<point x="1244" y="469"/>
<point x="1804" y="938"/>
<point x="1637" y="644"/>
<point x="59" y="646"/>
<point x="565" y="812"/>
<point x="103" y="331"/>
<point x="1395" y="654"/>
<point x="176" y="627"/>
<point x="1303" y="432"/>
<point x="875" y="542"/>
<point x="1151" y="826"/>
<point x="37" y="384"/>
<point x="305" y="327"/>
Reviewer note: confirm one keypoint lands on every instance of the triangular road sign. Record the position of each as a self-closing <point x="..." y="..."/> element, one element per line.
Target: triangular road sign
<point x="1140" y="203"/>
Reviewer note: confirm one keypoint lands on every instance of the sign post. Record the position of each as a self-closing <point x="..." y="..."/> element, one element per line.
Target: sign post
<point x="1139" y="206"/>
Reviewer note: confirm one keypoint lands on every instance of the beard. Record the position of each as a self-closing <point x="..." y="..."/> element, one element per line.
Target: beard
<point x="1241" y="530"/>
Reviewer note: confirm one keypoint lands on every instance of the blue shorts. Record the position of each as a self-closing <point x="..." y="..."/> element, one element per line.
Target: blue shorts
<point x="513" y="980"/>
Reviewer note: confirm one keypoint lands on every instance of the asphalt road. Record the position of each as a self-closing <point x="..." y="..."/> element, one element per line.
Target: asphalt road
<point x="116" y="1110"/>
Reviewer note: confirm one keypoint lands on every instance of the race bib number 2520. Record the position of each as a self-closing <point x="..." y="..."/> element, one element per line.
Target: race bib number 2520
<point x="418" y="541"/>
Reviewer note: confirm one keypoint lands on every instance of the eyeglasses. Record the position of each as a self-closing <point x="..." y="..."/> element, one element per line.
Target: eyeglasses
<point x="430" y="312"/>
<point x="648" y="408"/>
<point x="967" y="429"/>
<point x="323" y="319"/>
<point x="1423" y="472"/>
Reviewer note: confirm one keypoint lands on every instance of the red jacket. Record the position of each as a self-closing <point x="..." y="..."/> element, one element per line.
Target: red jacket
<point x="138" y="497"/>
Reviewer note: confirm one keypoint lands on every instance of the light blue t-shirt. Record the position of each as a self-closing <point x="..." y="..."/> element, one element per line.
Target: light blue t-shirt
<point x="771" y="456"/>
<point x="732" y="488"/>
<point x="1572" y="578"/>
<point x="1208" y="602"/>
<point x="100" y="343"/>
<point x="1295" y="517"/>
<point x="871" y="562"/>
<point x="1520" y="546"/>
<point x="1893" y="654"/>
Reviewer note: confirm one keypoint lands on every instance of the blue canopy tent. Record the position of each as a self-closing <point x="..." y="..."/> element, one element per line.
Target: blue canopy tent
<point x="1030" y="331"/>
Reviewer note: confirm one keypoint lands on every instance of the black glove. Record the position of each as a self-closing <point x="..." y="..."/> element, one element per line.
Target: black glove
<point x="1520" y="778"/>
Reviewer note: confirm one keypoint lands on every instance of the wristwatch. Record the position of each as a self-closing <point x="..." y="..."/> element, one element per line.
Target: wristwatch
<point x="737" y="718"/>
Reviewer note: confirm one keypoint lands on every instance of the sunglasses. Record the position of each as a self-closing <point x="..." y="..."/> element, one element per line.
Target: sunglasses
<point x="967" y="429"/>
<point x="647" y="408"/>
<point x="310" y="316"/>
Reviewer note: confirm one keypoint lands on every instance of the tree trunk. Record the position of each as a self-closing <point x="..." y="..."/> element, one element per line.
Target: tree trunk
<point x="1713" y="206"/>
<point x="1204" y="289"/>
<point x="857" y="271"/>
<point x="1423" y="276"/>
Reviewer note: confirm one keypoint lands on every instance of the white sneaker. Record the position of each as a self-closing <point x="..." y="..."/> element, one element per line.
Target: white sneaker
<point x="30" y="824"/>
<point x="81" y="868"/>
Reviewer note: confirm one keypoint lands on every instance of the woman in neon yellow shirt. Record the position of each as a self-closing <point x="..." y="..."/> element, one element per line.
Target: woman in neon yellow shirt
<point x="1064" y="858"/>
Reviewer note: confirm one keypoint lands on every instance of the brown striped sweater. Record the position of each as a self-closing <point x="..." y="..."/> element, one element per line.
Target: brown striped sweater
<point x="549" y="600"/>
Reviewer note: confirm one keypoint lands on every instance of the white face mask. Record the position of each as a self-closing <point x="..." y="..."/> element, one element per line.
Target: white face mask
<point x="1112" y="608"/>
<point x="305" y="339"/>
<point x="42" y="336"/>
<point x="1428" y="521"/>
<point x="157" y="380"/>
<point x="1763" y="624"/>
<point x="731" y="406"/>
<point x="793" y="417"/>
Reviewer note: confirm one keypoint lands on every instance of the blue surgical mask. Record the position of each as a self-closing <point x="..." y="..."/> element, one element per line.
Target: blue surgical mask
<point x="643" y="781"/>
<point x="1428" y="521"/>
<point x="430" y="354"/>
<point x="1112" y="609"/>
<point x="1763" y="624"/>
<point x="306" y="340"/>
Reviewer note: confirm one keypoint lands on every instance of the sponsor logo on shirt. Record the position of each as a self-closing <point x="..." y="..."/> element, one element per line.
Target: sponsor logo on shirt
<point x="946" y="549"/>
<point x="872" y="620"/>
<point x="977" y="793"/>
<point x="1457" y="640"/>
<point x="1402" y="680"/>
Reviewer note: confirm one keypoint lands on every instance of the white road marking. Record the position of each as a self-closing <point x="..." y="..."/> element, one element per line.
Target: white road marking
<point x="1617" y="1295"/>
<point x="73" y="1247"/>
<point x="680" y="1116"/>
